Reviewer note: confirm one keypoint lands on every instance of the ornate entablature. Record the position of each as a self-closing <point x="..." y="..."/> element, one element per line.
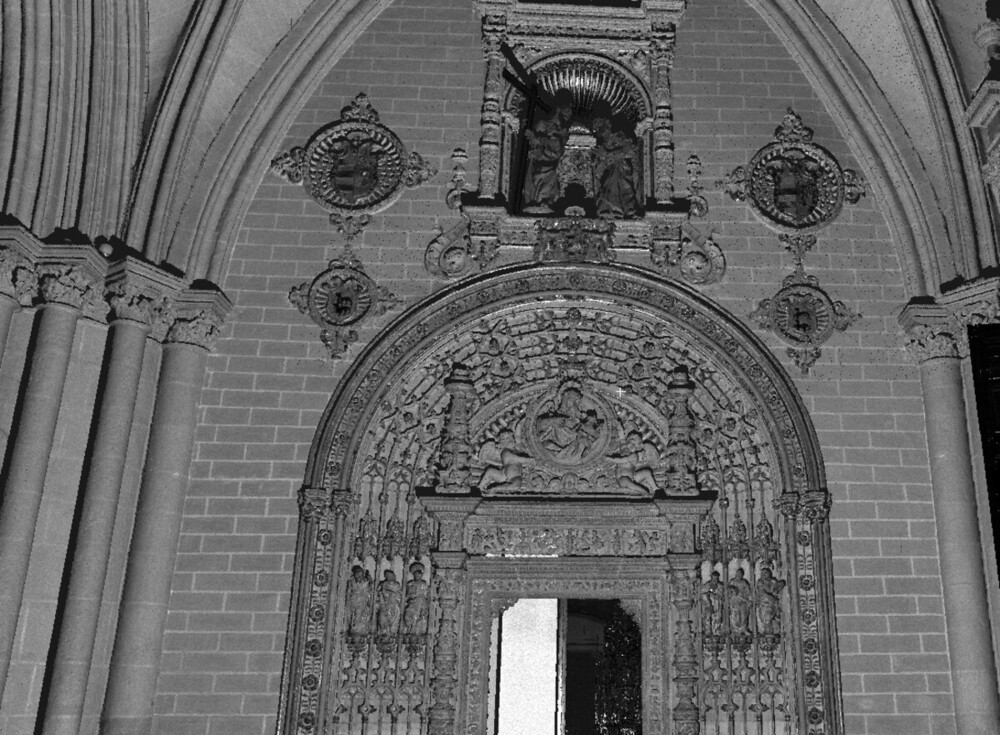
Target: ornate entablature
<point x="561" y="430"/>
<point x="577" y="123"/>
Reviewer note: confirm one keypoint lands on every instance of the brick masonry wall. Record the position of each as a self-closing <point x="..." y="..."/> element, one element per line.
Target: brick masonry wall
<point x="268" y="382"/>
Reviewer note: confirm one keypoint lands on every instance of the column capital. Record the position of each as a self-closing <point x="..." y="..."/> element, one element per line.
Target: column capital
<point x="196" y="316"/>
<point x="314" y="503"/>
<point x="939" y="329"/>
<point x="18" y="278"/>
<point x="138" y="291"/>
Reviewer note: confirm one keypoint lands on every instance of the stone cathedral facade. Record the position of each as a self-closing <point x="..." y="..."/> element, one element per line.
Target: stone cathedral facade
<point x="334" y="331"/>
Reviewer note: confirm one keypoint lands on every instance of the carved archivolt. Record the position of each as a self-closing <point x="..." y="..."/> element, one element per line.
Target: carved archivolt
<point x="600" y="416"/>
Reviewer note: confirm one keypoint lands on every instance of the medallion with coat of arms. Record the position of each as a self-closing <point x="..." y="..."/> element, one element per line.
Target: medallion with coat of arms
<point x="792" y="183"/>
<point x="354" y="167"/>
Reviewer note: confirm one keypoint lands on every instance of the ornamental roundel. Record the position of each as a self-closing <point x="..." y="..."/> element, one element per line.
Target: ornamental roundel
<point x="353" y="165"/>
<point x="794" y="184"/>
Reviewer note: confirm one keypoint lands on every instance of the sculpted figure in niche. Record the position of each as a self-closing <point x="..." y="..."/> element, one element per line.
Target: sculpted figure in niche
<point x="504" y="463"/>
<point x="359" y="602"/>
<point x="711" y="605"/>
<point x="615" y="166"/>
<point x="769" y="601"/>
<point x="569" y="430"/>
<point x="415" y="610"/>
<point x="635" y="464"/>
<point x="389" y="604"/>
<point x="740" y="600"/>
<point x="546" y="143"/>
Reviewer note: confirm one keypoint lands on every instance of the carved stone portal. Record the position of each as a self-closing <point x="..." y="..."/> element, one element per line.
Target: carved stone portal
<point x="576" y="431"/>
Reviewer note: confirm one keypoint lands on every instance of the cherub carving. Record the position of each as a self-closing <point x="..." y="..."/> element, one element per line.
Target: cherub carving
<point x="635" y="463"/>
<point x="504" y="463"/>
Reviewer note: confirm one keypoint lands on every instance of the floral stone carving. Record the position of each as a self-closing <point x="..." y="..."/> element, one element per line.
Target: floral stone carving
<point x="354" y="167"/>
<point x="340" y="297"/>
<point x="793" y="184"/>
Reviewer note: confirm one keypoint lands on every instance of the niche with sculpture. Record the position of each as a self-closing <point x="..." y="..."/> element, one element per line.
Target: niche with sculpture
<point x="573" y="433"/>
<point x="586" y="155"/>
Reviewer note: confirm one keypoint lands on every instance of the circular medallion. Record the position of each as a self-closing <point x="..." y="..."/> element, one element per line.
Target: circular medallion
<point x="569" y="427"/>
<point x="341" y="295"/>
<point x="796" y="186"/>
<point x="354" y="166"/>
<point x="802" y="314"/>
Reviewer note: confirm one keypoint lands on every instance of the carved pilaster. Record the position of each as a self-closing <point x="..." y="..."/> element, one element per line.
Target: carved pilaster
<point x="494" y="29"/>
<point x="455" y="451"/>
<point x="683" y="593"/>
<point x="450" y="574"/>
<point x="662" y="60"/>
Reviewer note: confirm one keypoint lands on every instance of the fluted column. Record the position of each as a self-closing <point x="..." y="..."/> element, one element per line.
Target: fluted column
<point x="63" y="291"/>
<point x="128" y="704"/>
<point x="133" y="297"/>
<point x="937" y="347"/>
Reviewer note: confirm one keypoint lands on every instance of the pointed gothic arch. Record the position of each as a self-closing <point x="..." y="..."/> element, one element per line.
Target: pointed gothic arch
<point x="692" y="464"/>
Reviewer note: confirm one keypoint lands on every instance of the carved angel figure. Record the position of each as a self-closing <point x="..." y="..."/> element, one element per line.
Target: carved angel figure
<point x="389" y="603"/>
<point x="504" y="463"/>
<point x="415" y="609"/>
<point x="546" y="142"/>
<point x="740" y="600"/>
<point x="711" y="605"/>
<point x="635" y="462"/>
<point x="615" y="170"/>
<point x="769" y="601"/>
<point x="359" y="601"/>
